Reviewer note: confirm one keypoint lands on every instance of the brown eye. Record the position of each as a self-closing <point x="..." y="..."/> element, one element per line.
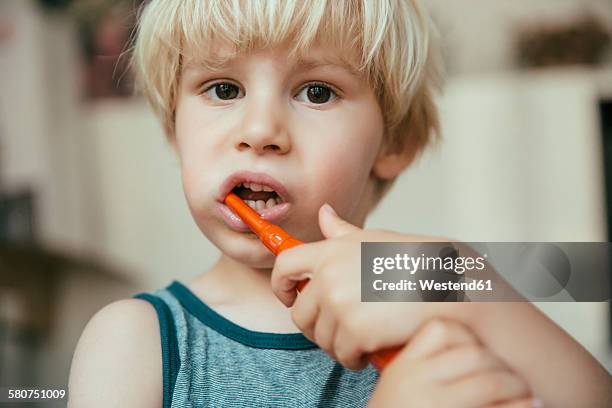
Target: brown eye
<point x="223" y="91"/>
<point x="317" y="94"/>
<point x="226" y="91"/>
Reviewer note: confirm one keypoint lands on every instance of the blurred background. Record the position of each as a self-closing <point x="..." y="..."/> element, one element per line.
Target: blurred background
<point x="91" y="206"/>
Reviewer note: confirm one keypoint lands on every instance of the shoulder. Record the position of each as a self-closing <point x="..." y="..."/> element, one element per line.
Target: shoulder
<point x="117" y="361"/>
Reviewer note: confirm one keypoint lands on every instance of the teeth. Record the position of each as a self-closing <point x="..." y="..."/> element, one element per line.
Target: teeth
<point x="256" y="186"/>
<point x="261" y="204"/>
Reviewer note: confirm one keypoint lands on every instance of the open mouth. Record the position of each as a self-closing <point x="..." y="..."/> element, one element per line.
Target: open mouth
<point x="257" y="196"/>
<point x="260" y="191"/>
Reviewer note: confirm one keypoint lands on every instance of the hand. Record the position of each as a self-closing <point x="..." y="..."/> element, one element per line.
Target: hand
<point x="330" y="313"/>
<point x="444" y="365"/>
<point x="329" y="310"/>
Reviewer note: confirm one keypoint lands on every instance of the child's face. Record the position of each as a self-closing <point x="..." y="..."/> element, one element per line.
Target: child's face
<point x="311" y="125"/>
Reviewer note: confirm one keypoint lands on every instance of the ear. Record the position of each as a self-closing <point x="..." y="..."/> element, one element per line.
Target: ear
<point x="390" y="164"/>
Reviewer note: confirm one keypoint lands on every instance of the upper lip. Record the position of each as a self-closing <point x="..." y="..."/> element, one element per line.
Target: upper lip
<point x="252" y="177"/>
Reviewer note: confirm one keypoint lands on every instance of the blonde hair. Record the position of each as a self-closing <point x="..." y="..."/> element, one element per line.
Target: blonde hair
<point x="394" y="40"/>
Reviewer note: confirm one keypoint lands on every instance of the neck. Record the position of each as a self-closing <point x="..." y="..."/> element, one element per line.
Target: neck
<point x="243" y="295"/>
<point x="240" y="281"/>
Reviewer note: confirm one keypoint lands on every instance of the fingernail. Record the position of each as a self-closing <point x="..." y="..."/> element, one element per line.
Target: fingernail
<point x="329" y="209"/>
<point x="537" y="403"/>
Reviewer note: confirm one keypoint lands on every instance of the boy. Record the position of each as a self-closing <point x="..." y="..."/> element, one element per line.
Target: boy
<point x="294" y="104"/>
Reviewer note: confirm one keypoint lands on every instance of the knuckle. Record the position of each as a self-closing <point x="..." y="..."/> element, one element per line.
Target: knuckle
<point x="328" y="279"/>
<point x="438" y="328"/>
<point x="281" y="260"/>
<point x="336" y="299"/>
<point x="342" y="355"/>
<point x="355" y="327"/>
<point x="350" y="364"/>
<point x="369" y="344"/>
<point x="345" y="357"/>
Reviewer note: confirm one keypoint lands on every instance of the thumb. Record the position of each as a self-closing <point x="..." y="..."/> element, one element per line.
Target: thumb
<point x="332" y="225"/>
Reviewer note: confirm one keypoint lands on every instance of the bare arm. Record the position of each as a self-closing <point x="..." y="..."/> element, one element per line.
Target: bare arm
<point x="558" y="369"/>
<point x="117" y="362"/>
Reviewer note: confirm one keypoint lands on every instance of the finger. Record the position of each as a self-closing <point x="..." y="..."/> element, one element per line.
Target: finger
<point x="489" y="388"/>
<point x="521" y="403"/>
<point x="347" y="350"/>
<point x="332" y="225"/>
<point x="292" y="266"/>
<point x="305" y="311"/>
<point x="462" y="361"/>
<point x="324" y="332"/>
<point x="436" y="336"/>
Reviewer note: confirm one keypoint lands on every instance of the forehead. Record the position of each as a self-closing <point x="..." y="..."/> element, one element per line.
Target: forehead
<point x="220" y="56"/>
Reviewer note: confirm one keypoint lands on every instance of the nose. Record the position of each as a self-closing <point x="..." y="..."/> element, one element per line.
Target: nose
<point x="264" y="128"/>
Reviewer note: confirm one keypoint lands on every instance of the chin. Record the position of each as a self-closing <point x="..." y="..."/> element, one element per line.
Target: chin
<point x="247" y="249"/>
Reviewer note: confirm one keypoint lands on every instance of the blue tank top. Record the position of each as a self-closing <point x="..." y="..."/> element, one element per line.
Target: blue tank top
<point x="209" y="361"/>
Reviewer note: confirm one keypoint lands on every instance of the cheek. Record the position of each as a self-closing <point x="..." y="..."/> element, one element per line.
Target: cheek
<point x="341" y="178"/>
<point x="343" y="156"/>
<point x="192" y="132"/>
<point x="195" y="147"/>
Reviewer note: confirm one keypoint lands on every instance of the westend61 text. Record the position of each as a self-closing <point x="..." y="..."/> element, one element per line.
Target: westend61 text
<point x="430" y="284"/>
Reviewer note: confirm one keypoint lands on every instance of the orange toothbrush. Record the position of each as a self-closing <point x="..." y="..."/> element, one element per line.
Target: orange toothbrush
<point x="277" y="240"/>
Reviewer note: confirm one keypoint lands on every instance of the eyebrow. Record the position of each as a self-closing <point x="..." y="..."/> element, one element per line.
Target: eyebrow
<point x="302" y="64"/>
<point x="214" y="66"/>
<point x="308" y="64"/>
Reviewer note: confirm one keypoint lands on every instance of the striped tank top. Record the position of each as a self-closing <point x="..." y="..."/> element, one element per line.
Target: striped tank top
<point x="209" y="361"/>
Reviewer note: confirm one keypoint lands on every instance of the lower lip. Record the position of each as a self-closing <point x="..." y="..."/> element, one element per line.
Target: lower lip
<point x="273" y="215"/>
